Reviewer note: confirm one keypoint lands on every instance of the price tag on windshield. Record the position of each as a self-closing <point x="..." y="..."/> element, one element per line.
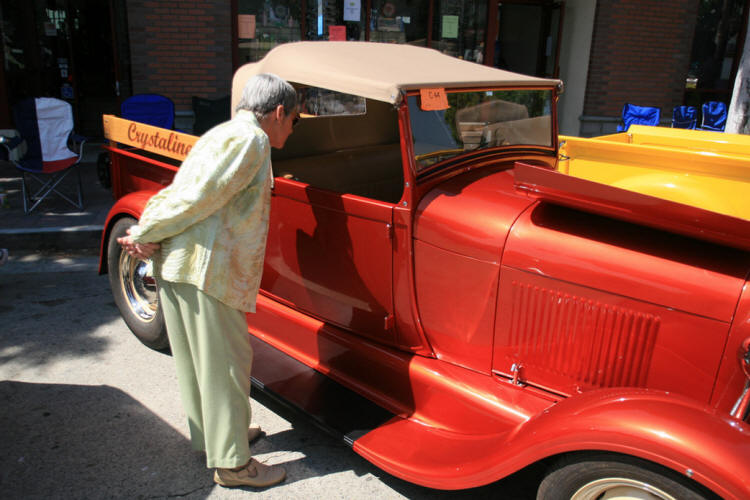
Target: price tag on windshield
<point x="433" y="99"/>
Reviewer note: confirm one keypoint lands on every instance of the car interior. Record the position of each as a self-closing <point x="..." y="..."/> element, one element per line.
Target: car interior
<point x="357" y="154"/>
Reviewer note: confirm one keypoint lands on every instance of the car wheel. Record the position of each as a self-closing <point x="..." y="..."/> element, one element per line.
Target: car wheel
<point x="134" y="290"/>
<point x="603" y="476"/>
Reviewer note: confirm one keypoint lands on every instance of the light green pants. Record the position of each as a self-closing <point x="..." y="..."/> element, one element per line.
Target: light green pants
<point x="212" y="351"/>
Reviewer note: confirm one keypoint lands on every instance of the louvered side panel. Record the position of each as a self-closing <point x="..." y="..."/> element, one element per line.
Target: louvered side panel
<point x="584" y="343"/>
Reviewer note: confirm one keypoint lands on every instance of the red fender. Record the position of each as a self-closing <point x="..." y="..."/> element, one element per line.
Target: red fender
<point x="132" y="205"/>
<point x="709" y="447"/>
<point x="706" y="445"/>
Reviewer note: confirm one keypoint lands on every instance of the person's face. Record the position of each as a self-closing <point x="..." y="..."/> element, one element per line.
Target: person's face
<point x="278" y="126"/>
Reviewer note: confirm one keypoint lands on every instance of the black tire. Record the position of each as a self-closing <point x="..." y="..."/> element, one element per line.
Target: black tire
<point x="134" y="292"/>
<point x="601" y="475"/>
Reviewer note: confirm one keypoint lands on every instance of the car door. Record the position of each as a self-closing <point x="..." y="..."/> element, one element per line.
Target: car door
<point x="330" y="255"/>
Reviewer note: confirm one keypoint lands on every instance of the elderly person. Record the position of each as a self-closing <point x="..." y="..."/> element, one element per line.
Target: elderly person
<point x="207" y="233"/>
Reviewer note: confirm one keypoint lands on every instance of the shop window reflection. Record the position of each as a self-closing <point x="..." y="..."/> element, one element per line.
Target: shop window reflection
<point x="399" y="21"/>
<point x="335" y="20"/>
<point x="459" y="28"/>
<point x="264" y="24"/>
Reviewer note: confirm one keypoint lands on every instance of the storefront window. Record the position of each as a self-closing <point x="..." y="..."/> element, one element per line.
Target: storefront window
<point x="459" y="28"/>
<point x="455" y="27"/>
<point x="402" y="21"/>
<point x="335" y="20"/>
<point x="713" y="60"/>
<point x="74" y="50"/>
<point x="264" y="24"/>
<point x="37" y="56"/>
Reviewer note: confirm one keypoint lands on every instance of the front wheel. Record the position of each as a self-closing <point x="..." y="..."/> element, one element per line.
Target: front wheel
<point x="134" y="290"/>
<point x="610" y="476"/>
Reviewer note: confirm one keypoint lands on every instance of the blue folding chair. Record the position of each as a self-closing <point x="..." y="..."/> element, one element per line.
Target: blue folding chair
<point x="638" y="115"/>
<point x="714" y="116"/>
<point x="685" y="117"/>
<point x="46" y="125"/>
<point x="151" y="109"/>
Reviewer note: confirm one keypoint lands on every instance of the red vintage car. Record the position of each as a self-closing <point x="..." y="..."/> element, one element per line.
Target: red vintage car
<point x="438" y="292"/>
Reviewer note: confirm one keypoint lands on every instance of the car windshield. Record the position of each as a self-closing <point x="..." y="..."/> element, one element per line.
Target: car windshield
<point x="477" y="120"/>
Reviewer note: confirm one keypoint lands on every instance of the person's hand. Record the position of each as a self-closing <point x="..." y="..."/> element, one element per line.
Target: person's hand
<point x="142" y="251"/>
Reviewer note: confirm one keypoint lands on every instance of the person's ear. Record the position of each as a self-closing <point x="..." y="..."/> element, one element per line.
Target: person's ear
<point x="279" y="112"/>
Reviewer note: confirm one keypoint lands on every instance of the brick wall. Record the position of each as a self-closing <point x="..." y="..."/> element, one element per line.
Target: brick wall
<point x="180" y="48"/>
<point x="640" y="54"/>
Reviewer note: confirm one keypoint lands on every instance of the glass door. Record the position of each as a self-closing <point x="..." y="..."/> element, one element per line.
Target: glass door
<point x="717" y="48"/>
<point x="528" y="37"/>
<point x="65" y="49"/>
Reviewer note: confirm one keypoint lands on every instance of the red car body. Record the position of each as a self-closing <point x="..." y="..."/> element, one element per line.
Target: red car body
<point x="500" y="320"/>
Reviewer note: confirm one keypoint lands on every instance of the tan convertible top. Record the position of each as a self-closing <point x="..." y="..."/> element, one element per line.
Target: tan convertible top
<point x="375" y="70"/>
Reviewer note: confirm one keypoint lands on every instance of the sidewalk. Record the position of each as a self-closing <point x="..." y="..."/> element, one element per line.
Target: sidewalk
<point x="55" y="224"/>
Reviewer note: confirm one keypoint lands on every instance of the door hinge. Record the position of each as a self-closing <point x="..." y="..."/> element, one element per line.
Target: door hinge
<point x="388" y="323"/>
<point x="389" y="231"/>
<point x="515" y="369"/>
<point x="515" y="374"/>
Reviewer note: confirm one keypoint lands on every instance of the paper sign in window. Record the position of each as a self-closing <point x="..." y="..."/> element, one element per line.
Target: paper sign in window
<point x="352" y="10"/>
<point x="337" y="33"/>
<point x="450" y="27"/>
<point x="246" y="26"/>
<point x="433" y="99"/>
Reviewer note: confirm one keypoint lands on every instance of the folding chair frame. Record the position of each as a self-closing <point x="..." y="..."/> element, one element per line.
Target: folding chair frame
<point x="48" y="186"/>
<point x="48" y="182"/>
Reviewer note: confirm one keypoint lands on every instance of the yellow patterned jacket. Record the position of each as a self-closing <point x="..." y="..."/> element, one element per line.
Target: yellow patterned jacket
<point x="212" y="221"/>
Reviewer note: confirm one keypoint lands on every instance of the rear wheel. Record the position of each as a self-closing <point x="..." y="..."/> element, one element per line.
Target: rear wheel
<point x="610" y="476"/>
<point x="134" y="290"/>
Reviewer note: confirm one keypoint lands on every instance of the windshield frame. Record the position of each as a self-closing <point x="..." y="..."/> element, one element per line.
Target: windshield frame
<point x="459" y="160"/>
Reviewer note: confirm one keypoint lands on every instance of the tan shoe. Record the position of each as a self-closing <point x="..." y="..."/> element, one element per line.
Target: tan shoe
<point x="253" y="474"/>
<point x="253" y="433"/>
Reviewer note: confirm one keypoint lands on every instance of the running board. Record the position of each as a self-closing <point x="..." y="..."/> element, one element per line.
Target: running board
<point x="333" y="407"/>
<point x="405" y="447"/>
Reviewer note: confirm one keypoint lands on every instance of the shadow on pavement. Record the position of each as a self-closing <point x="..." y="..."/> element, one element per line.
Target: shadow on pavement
<point x="72" y="441"/>
<point x="77" y="441"/>
<point x="52" y="319"/>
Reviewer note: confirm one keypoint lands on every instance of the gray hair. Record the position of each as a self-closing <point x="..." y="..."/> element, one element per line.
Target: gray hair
<point x="264" y="92"/>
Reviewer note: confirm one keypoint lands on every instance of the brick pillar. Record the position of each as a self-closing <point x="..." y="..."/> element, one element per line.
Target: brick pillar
<point x="180" y="49"/>
<point x="640" y="54"/>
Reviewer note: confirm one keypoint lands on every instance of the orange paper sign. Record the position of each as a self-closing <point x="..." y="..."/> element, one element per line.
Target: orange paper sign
<point x="433" y="99"/>
<point x="337" y="33"/>
<point x="246" y="26"/>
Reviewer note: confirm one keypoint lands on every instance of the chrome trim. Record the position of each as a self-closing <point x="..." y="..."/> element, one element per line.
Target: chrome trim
<point x="620" y="488"/>
<point x="138" y="286"/>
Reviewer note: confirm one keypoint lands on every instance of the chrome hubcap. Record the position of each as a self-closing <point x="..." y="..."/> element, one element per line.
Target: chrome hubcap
<point x="617" y="488"/>
<point x="139" y="286"/>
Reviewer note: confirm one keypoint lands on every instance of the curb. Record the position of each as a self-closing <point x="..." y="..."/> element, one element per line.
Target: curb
<point x="52" y="238"/>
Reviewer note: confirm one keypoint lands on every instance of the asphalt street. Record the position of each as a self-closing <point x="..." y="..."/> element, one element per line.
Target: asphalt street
<point x="86" y="411"/>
